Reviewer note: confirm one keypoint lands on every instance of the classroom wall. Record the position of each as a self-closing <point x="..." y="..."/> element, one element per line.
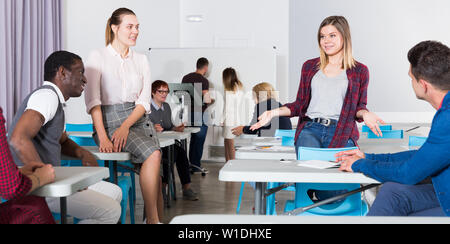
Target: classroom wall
<point x="237" y="23"/>
<point x="233" y="23"/>
<point x="84" y="23"/>
<point x="383" y="32"/>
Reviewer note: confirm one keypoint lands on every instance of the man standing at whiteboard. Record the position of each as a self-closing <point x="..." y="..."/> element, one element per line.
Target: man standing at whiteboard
<point x="198" y="79"/>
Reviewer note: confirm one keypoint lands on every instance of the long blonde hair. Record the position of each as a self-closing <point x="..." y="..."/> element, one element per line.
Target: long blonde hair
<point x="115" y="19"/>
<point x="231" y="81"/>
<point x="341" y="24"/>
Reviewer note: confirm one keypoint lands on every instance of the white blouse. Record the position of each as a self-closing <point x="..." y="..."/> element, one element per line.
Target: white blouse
<point x="113" y="80"/>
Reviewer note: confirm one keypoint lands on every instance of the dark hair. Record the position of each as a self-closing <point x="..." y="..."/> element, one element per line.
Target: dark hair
<point x="430" y="61"/>
<point x="202" y="62"/>
<point x="56" y="60"/>
<point x="115" y="19"/>
<point x="157" y="84"/>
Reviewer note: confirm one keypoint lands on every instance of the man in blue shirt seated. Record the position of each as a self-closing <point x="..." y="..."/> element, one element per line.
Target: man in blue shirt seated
<point x="404" y="192"/>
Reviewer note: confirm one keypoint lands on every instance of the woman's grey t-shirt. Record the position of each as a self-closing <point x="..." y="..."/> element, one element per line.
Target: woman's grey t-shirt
<point x="327" y="96"/>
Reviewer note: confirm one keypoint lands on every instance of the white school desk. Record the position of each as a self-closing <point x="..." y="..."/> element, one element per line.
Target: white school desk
<point x="262" y="171"/>
<point x="288" y="153"/>
<point x="192" y="130"/>
<point x="257" y="141"/>
<point x="84" y="134"/>
<point x="174" y="135"/>
<point x="113" y="158"/>
<point x="258" y="219"/>
<point x="68" y="181"/>
<point x="366" y="145"/>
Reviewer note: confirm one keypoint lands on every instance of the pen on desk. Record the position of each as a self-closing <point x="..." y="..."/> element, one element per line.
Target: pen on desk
<point x="417" y="127"/>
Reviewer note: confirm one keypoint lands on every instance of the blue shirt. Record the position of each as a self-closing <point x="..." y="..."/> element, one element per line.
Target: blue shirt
<point x="412" y="167"/>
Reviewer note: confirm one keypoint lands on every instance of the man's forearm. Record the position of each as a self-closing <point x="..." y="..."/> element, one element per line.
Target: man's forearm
<point x="71" y="149"/>
<point x="25" y="150"/>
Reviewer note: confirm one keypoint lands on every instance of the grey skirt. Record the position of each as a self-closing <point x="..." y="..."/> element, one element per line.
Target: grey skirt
<point x="142" y="140"/>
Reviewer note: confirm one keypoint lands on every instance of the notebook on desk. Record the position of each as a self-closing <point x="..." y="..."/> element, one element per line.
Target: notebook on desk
<point x="318" y="164"/>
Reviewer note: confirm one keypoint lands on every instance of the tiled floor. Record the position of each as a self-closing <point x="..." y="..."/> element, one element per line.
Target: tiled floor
<point x="215" y="197"/>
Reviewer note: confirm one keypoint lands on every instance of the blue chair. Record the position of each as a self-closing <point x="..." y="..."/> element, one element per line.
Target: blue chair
<point x="366" y="128"/>
<point x="238" y="207"/>
<point x="271" y="200"/>
<point x="287" y="137"/>
<point x="350" y="206"/>
<point x="80" y="127"/>
<point x="416" y="141"/>
<point x="126" y="183"/>
<point x="387" y="134"/>
<point x="2" y="200"/>
<point x="57" y="217"/>
<point x="90" y="142"/>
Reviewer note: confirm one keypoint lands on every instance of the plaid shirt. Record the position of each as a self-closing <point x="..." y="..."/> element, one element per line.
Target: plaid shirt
<point x="355" y="100"/>
<point x="14" y="186"/>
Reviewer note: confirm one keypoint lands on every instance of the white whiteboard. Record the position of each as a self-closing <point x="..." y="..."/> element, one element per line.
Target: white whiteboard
<point x="253" y="65"/>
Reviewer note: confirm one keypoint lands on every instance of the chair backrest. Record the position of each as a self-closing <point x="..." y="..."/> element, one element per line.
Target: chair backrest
<point x="417" y="141"/>
<point x="2" y="200"/>
<point x="387" y="134"/>
<point x="351" y="204"/>
<point x="324" y="154"/>
<point x="366" y="128"/>
<point x="287" y="137"/>
<point x="81" y="141"/>
<point x="80" y="127"/>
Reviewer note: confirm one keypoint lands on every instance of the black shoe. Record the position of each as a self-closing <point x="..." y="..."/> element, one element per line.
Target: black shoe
<point x="190" y="195"/>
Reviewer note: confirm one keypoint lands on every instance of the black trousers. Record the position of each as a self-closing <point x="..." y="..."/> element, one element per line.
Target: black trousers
<point x="182" y="163"/>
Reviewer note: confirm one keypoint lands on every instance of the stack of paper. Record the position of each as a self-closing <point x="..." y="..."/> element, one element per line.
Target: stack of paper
<point x="246" y="148"/>
<point x="318" y="164"/>
<point x="276" y="148"/>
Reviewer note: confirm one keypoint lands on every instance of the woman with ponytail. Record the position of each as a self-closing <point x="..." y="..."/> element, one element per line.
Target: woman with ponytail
<point x="118" y="97"/>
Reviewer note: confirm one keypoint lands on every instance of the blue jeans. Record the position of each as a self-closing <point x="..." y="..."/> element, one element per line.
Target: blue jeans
<point x="319" y="136"/>
<point x="396" y="199"/>
<point x="196" y="146"/>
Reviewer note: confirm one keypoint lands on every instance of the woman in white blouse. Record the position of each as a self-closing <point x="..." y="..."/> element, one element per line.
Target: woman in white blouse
<point x="234" y="110"/>
<point x="118" y="97"/>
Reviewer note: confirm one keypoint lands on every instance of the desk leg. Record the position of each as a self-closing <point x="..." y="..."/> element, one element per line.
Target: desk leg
<point x="167" y="189"/>
<point x="63" y="206"/>
<point x="259" y="194"/>
<point x="184" y="144"/>
<point x="112" y="170"/>
<point x="116" y="181"/>
<point x="172" y="167"/>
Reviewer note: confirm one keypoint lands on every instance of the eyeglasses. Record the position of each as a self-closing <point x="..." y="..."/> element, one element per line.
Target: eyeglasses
<point x="163" y="91"/>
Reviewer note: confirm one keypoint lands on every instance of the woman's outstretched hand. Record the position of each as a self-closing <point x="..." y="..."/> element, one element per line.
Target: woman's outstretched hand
<point x="263" y="120"/>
